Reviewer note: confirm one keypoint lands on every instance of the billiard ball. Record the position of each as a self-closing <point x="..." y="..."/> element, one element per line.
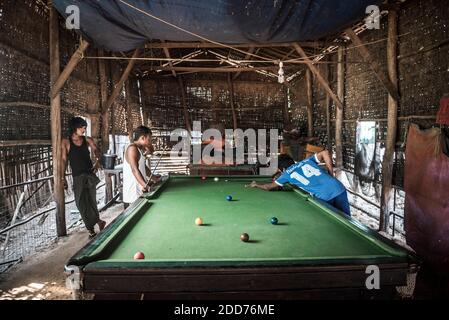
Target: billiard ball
<point x="229" y="198"/>
<point x="139" y="256"/>
<point x="203" y="178"/>
<point x="274" y="220"/>
<point x="244" y="237"/>
<point x="216" y="179"/>
<point x="199" y="221"/>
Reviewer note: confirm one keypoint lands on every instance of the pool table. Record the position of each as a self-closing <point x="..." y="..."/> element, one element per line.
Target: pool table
<point x="313" y="252"/>
<point x="204" y="170"/>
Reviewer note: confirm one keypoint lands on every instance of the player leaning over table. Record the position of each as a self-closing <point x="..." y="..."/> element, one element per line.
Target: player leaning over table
<point x="309" y="176"/>
<point x="135" y="170"/>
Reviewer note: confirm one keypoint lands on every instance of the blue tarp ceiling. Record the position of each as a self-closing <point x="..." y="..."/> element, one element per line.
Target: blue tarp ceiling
<point x="115" y="26"/>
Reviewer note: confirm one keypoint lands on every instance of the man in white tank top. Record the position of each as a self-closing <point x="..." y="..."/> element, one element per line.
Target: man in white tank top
<point x="134" y="166"/>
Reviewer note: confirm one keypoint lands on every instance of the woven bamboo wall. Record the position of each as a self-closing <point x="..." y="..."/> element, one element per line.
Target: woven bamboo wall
<point x="258" y="104"/>
<point x="423" y="80"/>
<point x="24" y="101"/>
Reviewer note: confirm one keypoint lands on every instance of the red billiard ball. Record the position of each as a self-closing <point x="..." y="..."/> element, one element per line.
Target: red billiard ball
<point x="244" y="237"/>
<point x="139" y="256"/>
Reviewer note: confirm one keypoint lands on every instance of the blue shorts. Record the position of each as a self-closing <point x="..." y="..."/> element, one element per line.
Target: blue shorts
<point x="341" y="203"/>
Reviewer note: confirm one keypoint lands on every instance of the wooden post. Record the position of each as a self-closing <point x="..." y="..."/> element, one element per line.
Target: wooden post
<point x="129" y="111"/>
<point x="328" y="116"/>
<point x="373" y="63"/>
<point x="285" y="111"/>
<point x="318" y="75"/>
<point x="309" y="84"/>
<point x="339" y="115"/>
<point x="65" y="74"/>
<point x="104" y="97"/>
<point x="93" y="110"/>
<point x="104" y="121"/>
<point x="215" y="102"/>
<point x="184" y="104"/>
<point x="388" y="161"/>
<point x="55" y="116"/>
<point x="231" y="99"/>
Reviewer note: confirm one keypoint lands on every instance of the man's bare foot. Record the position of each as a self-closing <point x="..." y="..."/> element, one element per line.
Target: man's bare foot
<point x="101" y="224"/>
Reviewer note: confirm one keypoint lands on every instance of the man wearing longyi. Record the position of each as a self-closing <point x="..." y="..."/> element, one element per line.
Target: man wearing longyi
<point x="75" y="151"/>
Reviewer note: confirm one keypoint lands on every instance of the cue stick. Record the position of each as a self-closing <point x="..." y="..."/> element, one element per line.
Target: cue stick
<point x="157" y="164"/>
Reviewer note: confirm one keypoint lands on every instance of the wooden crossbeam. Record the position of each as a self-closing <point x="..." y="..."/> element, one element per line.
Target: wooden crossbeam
<point x="65" y="74"/>
<point x="184" y="45"/>
<point x="318" y="75"/>
<point x="167" y="54"/>
<point x="374" y="64"/>
<point x="217" y="69"/>
<point x="119" y="86"/>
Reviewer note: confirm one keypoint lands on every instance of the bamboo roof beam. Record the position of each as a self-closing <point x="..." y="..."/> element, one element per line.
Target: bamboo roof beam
<point x="119" y="86"/>
<point x="374" y="64"/>
<point x="71" y="65"/>
<point x="187" y="45"/>
<point x="319" y="77"/>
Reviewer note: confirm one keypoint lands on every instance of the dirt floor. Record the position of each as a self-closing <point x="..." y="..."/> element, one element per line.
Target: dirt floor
<point x="41" y="277"/>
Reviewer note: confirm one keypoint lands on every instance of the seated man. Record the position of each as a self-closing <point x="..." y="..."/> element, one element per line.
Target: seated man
<point x="310" y="177"/>
<point x="294" y="142"/>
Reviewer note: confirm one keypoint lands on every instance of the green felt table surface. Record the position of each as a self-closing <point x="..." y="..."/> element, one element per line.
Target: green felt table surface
<point x="163" y="228"/>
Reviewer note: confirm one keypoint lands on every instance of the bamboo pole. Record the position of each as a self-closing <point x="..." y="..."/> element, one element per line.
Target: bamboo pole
<point x="248" y="55"/>
<point x="388" y="161"/>
<point x="198" y="45"/>
<point x="65" y="74"/>
<point x="309" y="84"/>
<point x="328" y="116"/>
<point x="15" y="143"/>
<point x="55" y="115"/>
<point x="285" y="111"/>
<point x="104" y="121"/>
<point x="167" y="54"/>
<point x="374" y="64"/>
<point x="184" y="104"/>
<point x="231" y="99"/>
<point x="129" y="109"/>
<point x="339" y="111"/>
<point x="216" y="69"/>
<point x="119" y="86"/>
<point x="318" y="76"/>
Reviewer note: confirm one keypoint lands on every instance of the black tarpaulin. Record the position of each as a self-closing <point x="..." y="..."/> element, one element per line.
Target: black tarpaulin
<point x="116" y="26"/>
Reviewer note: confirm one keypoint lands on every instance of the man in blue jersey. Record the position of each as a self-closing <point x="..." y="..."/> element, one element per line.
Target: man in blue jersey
<point x="309" y="176"/>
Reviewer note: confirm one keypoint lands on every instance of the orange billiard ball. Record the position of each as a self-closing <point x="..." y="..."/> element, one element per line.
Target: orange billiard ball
<point x="199" y="221"/>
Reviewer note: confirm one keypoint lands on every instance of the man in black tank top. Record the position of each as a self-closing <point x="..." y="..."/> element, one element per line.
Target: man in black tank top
<point x="75" y="151"/>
